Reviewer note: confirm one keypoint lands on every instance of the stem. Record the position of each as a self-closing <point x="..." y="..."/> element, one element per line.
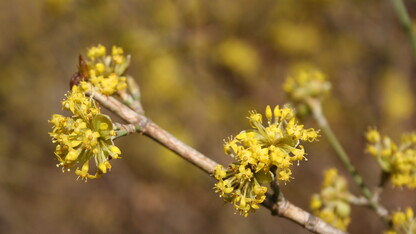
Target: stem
<point x="124" y="130"/>
<point x="316" y="108"/>
<point x="384" y="178"/>
<point x="405" y="21"/>
<point x="121" y="133"/>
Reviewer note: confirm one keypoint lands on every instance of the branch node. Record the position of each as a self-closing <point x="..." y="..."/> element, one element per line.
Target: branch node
<point x="311" y="222"/>
<point x="142" y="125"/>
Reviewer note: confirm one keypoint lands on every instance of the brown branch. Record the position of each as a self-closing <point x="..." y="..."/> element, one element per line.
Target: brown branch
<point x="280" y="207"/>
<point x="283" y="208"/>
<point x="167" y="140"/>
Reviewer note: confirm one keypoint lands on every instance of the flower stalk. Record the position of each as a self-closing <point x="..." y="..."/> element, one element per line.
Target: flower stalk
<point x="405" y="21"/>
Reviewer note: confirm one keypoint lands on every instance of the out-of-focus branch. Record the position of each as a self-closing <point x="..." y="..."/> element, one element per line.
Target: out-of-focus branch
<point x="280" y="207"/>
<point x="405" y="21"/>
<point x="316" y="107"/>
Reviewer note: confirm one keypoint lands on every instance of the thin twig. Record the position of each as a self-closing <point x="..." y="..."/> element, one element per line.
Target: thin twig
<point x="358" y="201"/>
<point x="281" y="207"/>
<point x="405" y="21"/>
<point x="316" y="108"/>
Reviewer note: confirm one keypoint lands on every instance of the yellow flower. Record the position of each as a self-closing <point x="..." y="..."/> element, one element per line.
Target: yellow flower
<point x="332" y="204"/>
<point x="277" y="144"/>
<point x="115" y="50"/>
<point x="107" y="71"/>
<point x="399" y="160"/>
<point x="96" y="52"/>
<point x="84" y="136"/>
<point x="403" y="222"/>
<point x="241" y="187"/>
<point x="316" y="202"/>
<point x="262" y="153"/>
<point x="307" y="83"/>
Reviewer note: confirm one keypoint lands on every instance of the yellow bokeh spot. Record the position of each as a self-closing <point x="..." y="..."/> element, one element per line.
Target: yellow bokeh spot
<point x="397" y="97"/>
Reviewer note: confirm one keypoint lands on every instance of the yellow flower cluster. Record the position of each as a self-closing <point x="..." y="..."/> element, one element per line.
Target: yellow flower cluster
<point x="305" y="84"/>
<point x="86" y="135"/>
<point x="106" y="71"/>
<point x="403" y="222"/>
<point x="261" y="153"/>
<point x="332" y="203"/>
<point x="397" y="160"/>
<point x="241" y="187"/>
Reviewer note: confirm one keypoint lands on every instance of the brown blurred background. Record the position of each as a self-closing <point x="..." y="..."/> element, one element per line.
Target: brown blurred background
<point x="201" y="66"/>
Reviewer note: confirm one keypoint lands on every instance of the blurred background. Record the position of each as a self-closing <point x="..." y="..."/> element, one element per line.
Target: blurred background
<point x="201" y="65"/>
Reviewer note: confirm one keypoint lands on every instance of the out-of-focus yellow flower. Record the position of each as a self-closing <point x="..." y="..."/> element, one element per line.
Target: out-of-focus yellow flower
<point x="106" y="71"/>
<point x="306" y="83"/>
<point x="239" y="57"/>
<point x="164" y="74"/>
<point x="58" y="6"/>
<point x="403" y="222"/>
<point x="294" y="38"/>
<point x="398" y="98"/>
<point x="399" y="160"/>
<point x="332" y="204"/>
<point x="261" y="154"/>
<point x="84" y="136"/>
